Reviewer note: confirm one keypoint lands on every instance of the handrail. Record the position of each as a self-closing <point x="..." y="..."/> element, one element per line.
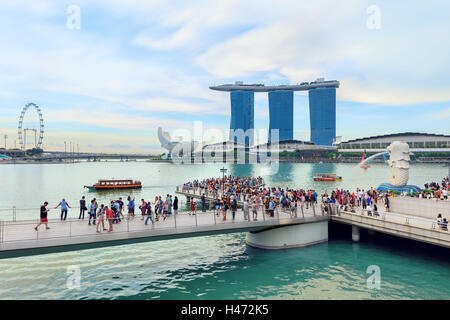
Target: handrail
<point x="407" y="220"/>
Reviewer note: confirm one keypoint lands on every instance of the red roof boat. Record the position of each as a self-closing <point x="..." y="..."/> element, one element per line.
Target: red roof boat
<point x="327" y="177"/>
<point x="115" y="184"/>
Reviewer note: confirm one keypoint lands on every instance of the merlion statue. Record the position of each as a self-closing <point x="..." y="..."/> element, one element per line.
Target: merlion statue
<point x="399" y="163"/>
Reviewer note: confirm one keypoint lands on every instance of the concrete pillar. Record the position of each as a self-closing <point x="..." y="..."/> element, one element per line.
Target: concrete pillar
<point x="291" y="236"/>
<point x="355" y="234"/>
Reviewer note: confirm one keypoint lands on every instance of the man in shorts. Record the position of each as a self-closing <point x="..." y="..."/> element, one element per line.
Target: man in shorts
<point x="130" y="207"/>
<point x="44" y="219"/>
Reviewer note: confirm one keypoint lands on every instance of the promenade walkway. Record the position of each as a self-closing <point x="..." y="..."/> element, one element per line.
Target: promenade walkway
<point x="402" y="225"/>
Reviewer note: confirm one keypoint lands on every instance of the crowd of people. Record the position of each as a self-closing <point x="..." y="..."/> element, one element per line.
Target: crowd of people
<point x="250" y="193"/>
<point x="436" y="190"/>
<point x="99" y="214"/>
<point x="229" y="184"/>
<point x="253" y="194"/>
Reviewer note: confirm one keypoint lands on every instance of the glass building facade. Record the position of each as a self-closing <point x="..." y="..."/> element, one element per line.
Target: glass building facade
<point x="281" y="114"/>
<point x="242" y="115"/>
<point x="322" y="113"/>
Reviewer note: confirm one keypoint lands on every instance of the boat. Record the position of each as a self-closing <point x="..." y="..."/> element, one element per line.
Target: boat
<point x="362" y="164"/>
<point x="327" y="177"/>
<point x="115" y="184"/>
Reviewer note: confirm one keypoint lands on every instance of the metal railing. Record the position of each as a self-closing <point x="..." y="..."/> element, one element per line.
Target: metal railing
<point x="388" y="216"/>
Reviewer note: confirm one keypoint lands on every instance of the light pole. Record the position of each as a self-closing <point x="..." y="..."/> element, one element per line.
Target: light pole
<point x="223" y="170"/>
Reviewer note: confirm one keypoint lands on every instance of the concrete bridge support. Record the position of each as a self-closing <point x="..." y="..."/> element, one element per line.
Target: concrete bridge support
<point x="291" y="236"/>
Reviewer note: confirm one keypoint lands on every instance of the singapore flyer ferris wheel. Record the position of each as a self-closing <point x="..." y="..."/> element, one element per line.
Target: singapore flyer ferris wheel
<point x="38" y="136"/>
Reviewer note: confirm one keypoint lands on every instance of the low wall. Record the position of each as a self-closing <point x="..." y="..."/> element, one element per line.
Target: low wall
<point x="426" y="208"/>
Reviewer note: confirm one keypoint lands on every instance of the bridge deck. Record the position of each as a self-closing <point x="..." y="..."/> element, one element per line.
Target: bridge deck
<point x="402" y="225"/>
<point x="19" y="238"/>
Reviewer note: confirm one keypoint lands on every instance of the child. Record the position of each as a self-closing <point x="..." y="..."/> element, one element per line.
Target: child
<point x="444" y="224"/>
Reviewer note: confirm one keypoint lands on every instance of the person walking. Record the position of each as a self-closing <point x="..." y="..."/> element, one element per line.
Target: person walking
<point x="233" y="208"/>
<point x="293" y="208"/>
<point x="165" y="209"/>
<point x="143" y="208"/>
<point x="255" y="209"/>
<point x="246" y="210"/>
<point x="175" y="205"/>
<point x="64" y="205"/>
<point x="149" y="213"/>
<point x="386" y="202"/>
<point x="216" y="207"/>
<point x="224" y="210"/>
<point x="130" y="207"/>
<point x="43" y="216"/>
<point x="115" y="209"/>
<point x="92" y="212"/>
<point x="203" y="203"/>
<point x="110" y="217"/>
<point x="439" y="220"/>
<point x="83" y="207"/>
<point x="101" y="218"/>
<point x="170" y="204"/>
<point x="120" y="202"/>
<point x="192" y="206"/>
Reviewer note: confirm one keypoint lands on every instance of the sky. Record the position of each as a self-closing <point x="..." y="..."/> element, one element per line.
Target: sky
<point x="107" y="74"/>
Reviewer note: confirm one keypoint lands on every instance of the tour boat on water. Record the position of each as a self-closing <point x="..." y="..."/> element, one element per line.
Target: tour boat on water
<point x="115" y="184"/>
<point x="327" y="177"/>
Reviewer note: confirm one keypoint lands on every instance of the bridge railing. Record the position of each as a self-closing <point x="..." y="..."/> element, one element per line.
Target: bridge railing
<point x="17" y="231"/>
<point x="386" y="216"/>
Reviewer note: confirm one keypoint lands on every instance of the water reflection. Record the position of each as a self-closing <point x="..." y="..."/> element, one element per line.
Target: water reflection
<point x="241" y="170"/>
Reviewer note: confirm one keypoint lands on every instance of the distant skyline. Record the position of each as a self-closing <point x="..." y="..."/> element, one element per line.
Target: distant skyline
<point x="133" y="66"/>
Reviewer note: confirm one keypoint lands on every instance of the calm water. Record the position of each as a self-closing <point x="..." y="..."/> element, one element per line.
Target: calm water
<point x="215" y="267"/>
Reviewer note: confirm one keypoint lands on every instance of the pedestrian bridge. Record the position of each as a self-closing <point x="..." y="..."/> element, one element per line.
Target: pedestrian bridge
<point x="18" y="238"/>
<point x="283" y="230"/>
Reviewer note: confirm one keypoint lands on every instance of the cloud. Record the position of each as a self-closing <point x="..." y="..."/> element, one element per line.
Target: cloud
<point x="393" y="65"/>
<point x="137" y="64"/>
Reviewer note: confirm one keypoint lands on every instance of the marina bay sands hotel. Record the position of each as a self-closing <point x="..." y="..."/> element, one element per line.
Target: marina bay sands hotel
<point x="322" y="108"/>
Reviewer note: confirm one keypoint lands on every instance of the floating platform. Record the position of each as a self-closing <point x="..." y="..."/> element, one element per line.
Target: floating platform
<point x="408" y="188"/>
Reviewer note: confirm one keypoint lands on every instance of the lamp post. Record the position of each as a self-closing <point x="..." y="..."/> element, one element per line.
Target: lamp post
<point x="223" y="170"/>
